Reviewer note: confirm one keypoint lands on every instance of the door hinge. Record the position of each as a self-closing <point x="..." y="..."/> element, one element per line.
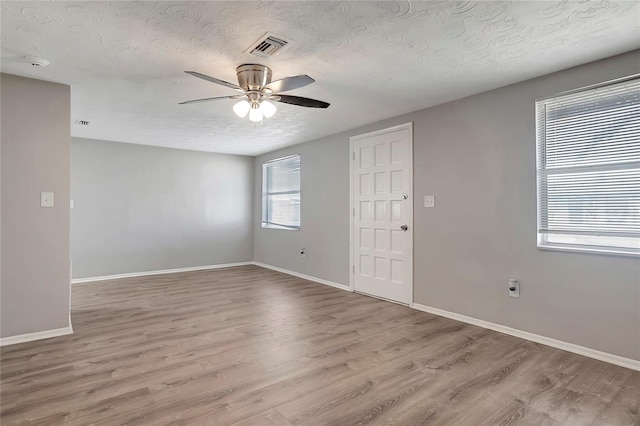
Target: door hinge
<point x="354" y="155"/>
<point x="353" y="269"/>
<point x="353" y="212"/>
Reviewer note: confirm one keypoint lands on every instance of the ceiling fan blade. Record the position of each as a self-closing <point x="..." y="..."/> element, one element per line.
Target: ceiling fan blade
<point x="297" y="100"/>
<point x="195" y="101"/>
<point x="214" y="80"/>
<point x="289" y="83"/>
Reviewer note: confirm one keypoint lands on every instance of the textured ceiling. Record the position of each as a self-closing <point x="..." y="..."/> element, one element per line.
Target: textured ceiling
<point x="371" y="60"/>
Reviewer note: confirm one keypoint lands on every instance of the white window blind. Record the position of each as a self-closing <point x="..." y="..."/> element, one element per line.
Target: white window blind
<point x="589" y="169"/>
<point x="281" y="193"/>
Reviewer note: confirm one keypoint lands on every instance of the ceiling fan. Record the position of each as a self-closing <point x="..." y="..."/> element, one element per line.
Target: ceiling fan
<point x="254" y="82"/>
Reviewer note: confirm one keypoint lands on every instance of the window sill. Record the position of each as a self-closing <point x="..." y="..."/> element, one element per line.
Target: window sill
<point x="283" y="228"/>
<point x="590" y="250"/>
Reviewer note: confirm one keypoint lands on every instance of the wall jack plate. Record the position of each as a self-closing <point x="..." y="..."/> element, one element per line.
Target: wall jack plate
<point x="514" y="288"/>
<point x="46" y="199"/>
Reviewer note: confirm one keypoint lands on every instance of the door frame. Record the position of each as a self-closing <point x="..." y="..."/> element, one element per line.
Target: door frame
<point x="352" y="142"/>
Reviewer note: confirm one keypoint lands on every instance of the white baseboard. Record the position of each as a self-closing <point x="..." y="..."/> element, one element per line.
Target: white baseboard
<point x="559" y="344"/>
<point x="39" y="335"/>
<point x="158" y="272"/>
<point x="303" y="276"/>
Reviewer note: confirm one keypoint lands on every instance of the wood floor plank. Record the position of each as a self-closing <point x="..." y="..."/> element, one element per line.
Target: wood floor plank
<point x="624" y="409"/>
<point x="268" y="418"/>
<point x="250" y="346"/>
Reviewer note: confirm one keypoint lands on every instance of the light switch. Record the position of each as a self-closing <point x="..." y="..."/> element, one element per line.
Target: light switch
<point x="429" y="201"/>
<point x="46" y="199"/>
<point x="71" y="204"/>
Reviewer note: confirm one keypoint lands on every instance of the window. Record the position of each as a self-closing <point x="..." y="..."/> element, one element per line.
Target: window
<point x="281" y="193"/>
<point x="588" y="169"/>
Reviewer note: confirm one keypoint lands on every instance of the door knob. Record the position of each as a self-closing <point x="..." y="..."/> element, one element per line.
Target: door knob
<point x="404" y="227"/>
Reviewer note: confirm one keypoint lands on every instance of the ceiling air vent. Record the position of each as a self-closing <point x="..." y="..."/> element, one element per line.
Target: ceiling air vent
<point x="268" y="45"/>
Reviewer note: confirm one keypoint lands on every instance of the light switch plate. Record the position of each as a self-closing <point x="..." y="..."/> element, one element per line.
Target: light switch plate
<point x="46" y="199"/>
<point x="429" y="201"/>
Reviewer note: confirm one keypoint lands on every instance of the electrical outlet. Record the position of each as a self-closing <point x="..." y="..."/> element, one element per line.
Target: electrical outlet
<point x="514" y="288"/>
<point x="429" y="201"/>
<point x="46" y="199"/>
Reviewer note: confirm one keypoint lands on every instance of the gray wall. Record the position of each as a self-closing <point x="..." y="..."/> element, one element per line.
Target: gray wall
<point x="477" y="156"/>
<point x="34" y="294"/>
<point x="140" y="208"/>
<point x="324" y="206"/>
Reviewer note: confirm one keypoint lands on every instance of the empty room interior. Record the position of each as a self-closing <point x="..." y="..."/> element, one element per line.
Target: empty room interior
<point x="320" y="213"/>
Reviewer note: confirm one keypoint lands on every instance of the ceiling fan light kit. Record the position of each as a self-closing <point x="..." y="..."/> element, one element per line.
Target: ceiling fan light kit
<point x="254" y="81"/>
<point x="254" y="114"/>
<point x="242" y="108"/>
<point x="267" y="109"/>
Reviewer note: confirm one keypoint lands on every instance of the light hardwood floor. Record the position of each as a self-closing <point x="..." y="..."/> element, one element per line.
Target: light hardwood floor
<point x="250" y="346"/>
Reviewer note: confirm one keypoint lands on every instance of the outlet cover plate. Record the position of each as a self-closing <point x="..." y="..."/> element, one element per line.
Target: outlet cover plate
<point x="46" y="199"/>
<point x="429" y="201"/>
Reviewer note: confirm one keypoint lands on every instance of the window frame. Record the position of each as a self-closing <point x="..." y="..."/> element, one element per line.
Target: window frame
<point x="543" y="242"/>
<point x="264" y="219"/>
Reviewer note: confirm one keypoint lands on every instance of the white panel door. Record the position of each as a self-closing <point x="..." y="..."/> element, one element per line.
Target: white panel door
<point x="382" y="211"/>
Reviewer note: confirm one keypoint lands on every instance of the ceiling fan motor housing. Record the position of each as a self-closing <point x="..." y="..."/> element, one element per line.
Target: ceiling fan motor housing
<point x="252" y="77"/>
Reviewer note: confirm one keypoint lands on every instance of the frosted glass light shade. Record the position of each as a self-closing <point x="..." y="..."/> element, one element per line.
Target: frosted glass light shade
<point x="255" y="114"/>
<point x="268" y="109"/>
<point x="242" y="108"/>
